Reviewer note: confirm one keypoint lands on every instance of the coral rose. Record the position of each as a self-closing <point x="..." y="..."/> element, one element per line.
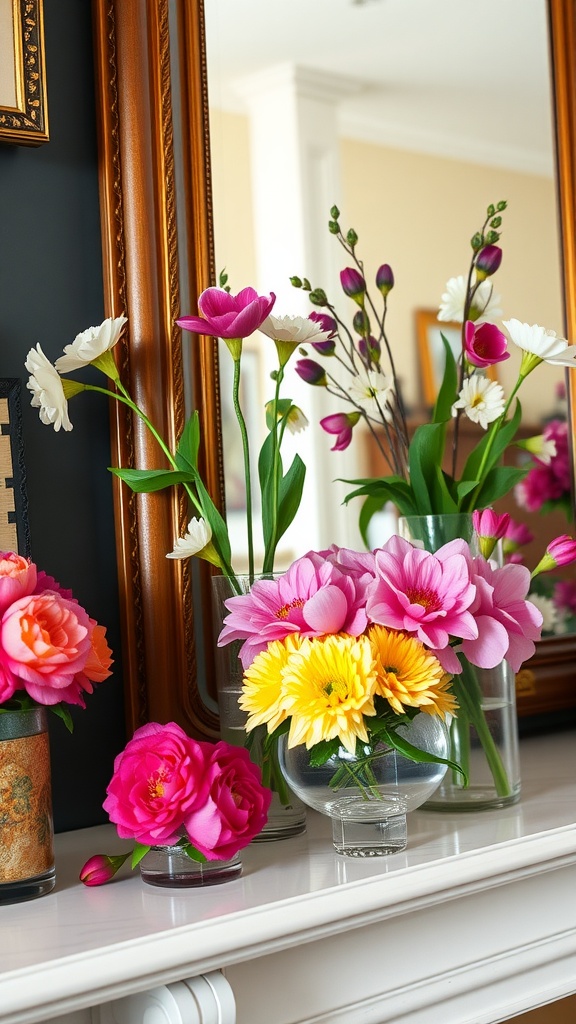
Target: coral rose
<point x="159" y="779"/>
<point x="17" y="578"/>
<point x="237" y="804"/>
<point x="45" y="642"/>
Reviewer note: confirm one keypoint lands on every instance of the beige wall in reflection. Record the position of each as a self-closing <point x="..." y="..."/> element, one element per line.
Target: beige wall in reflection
<point x="416" y="212"/>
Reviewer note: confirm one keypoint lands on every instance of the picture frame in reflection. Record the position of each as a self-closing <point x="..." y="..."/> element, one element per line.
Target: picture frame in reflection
<point x="431" y="353"/>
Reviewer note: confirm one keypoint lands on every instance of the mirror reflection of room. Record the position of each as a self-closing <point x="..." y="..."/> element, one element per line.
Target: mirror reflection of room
<point x="412" y="138"/>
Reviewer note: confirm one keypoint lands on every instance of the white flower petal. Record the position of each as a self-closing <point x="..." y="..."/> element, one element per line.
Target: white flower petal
<point x="296" y="329"/>
<point x="197" y="536"/>
<point x="485" y="303"/>
<point x="481" y="399"/>
<point x="90" y="344"/>
<point x="374" y="393"/>
<point x="47" y="391"/>
<point x="541" y="342"/>
<point x="296" y="421"/>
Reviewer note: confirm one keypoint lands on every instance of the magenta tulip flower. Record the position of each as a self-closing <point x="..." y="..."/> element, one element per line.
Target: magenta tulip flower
<point x="311" y="372"/>
<point x="341" y="424"/>
<point x="101" y="868"/>
<point x="560" y="551"/>
<point x="484" y="344"/>
<point x="488" y="260"/>
<point x="353" y="284"/>
<point x="490" y="528"/>
<point x="223" y="315"/>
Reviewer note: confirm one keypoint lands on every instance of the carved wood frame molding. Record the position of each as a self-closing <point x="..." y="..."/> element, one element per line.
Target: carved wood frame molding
<point x="146" y="264"/>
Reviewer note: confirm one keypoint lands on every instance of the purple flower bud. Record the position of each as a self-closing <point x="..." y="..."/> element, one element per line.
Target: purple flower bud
<point x="327" y="323"/>
<point x="487" y="262"/>
<point x="101" y="868"/>
<point x="370" y="349"/>
<point x="385" y="279"/>
<point x="311" y="372"/>
<point x="361" y="322"/>
<point x="353" y="284"/>
<point x="324" y="348"/>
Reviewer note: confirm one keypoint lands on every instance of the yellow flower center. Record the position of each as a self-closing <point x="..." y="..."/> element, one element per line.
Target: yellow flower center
<point x="336" y="690"/>
<point x="156" y="785"/>
<point x="285" y="610"/>
<point x="426" y="597"/>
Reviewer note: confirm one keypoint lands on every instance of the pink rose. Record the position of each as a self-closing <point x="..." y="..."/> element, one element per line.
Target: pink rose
<point x="45" y="642"/>
<point x="159" y="779"/>
<point x="237" y="804"/>
<point x="17" y="578"/>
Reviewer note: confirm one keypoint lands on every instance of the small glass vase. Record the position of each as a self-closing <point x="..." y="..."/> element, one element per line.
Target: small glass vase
<point x="368" y="797"/>
<point x="287" y="814"/>
<point x="484" y="735"/>
<point x="26" y="825"/>
<point x="170" y="867"/>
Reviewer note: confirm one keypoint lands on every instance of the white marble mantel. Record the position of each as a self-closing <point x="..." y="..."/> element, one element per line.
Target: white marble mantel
<point x="475" y="921"/>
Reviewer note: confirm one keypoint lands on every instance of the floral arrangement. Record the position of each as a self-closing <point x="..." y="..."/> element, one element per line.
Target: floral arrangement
<point x="221" y="315"/>
<point x="362" y="354"/>
<point x="346" y="646"/>
<point x="51" y="651"/>
<point x="170" y="790"/>
<point x="547" y="485"/>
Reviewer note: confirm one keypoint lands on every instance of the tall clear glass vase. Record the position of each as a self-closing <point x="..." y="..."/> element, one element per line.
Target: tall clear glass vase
<point x="287" y="814"/>
<point x="484" y="735"/>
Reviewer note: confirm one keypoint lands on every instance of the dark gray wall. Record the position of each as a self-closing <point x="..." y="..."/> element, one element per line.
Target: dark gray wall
<point x="50" y="290"/>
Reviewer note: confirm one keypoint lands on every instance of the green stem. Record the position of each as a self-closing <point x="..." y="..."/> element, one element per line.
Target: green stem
<point x="268" y="564"/>
<point x="125" y="399"/>
<point x="468" y="694"/>
<point x="460" y="746"/>
<point x="247" y="476"/>
<point x="491" y="438"/>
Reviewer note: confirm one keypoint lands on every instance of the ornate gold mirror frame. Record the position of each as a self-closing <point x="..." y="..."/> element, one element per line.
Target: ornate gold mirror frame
<point x="153" y="127"/>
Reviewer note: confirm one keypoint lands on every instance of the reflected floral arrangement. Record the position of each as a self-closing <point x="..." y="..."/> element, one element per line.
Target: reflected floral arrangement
<point x="52" y="653"/>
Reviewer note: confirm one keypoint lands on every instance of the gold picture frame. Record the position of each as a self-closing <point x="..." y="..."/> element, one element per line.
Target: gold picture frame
<point x="23" y="103"/>
<point x="431" y="351"/>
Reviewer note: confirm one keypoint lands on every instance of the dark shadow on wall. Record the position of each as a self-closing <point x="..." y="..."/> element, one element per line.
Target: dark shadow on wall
<point x="50" y="290"/>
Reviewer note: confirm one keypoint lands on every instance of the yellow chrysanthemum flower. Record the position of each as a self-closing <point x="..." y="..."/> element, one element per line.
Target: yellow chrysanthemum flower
<point x="409" y="675"/>
<point x="328" y="687"/>
<point x="261" y="687"/>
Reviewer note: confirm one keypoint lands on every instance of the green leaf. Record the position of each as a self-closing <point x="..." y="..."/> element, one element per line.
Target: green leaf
<point x="193" y="853"/>
<point x="291" y="486"/>
<point x="138" y="853"/>
<point x="323" y="751"/>
<point x="189" y="444"/>
<point x="449" y="387"/>
<point x="370" y="508"/>
<point x="425" y="458"/>
<point x="63" y="712"/>
<point x="283" y="407"/>
<point x="388" y="488"/>
<point x="265" y="463"/>
<point x="498" y="482"/>
<point x="502" y="438"/>
<point x="407" y="749"/>
<point x="146" y="481"/>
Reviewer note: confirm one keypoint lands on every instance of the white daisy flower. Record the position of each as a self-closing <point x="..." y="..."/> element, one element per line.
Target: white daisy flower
<point x="481" y="399"/>
<point x="374" y="393"/>
<point x="90" y="344"/>
<point x="196" y="541"/>
<point x="552" y="622"/>
<point x="47" y="390"/>
<point x="484" y="306"/>
<point x="541" y="345"/>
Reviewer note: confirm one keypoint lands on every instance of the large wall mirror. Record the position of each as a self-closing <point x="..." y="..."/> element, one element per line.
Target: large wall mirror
<point x="181" y="121"/>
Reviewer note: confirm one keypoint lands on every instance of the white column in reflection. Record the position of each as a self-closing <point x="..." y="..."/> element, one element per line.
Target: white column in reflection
<point x="295" y="156"/>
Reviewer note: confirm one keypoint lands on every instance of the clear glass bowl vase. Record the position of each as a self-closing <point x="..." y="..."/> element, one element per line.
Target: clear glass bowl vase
<point x="368" y="796"/>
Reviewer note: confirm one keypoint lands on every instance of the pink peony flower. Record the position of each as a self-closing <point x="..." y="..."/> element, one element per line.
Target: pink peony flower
<point x="17" y="578"/>
<point x="422" y="593"/>
<point x="507" y="623"/>
<point x="484" y="344"/>
<point x="223" y="315"/>
<point x="309" y="598"/>
<point x="159" y="779"/>
<point x="236" y="807"/>
<point x="45" y="643"/>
